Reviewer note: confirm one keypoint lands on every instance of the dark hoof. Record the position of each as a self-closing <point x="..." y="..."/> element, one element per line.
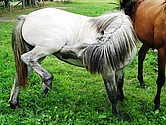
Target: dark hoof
<point x="143" y="86"/>
<point x="14" y="106"/>
<point x="121" y="98"/>
<point x="45" y="91"/>
<point x="157" y="107"/>
<point x="118" y="116"/>
<point x="46" y="88"/>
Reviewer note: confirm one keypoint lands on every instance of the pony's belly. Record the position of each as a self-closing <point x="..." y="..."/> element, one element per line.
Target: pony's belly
<point x="72" y="61"/>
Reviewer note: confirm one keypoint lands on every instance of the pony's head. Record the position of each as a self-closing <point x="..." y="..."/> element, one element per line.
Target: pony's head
<point x="127" y="6"/>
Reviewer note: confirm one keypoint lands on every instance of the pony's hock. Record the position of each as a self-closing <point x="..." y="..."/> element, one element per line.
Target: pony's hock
<point x="104" y="44"/>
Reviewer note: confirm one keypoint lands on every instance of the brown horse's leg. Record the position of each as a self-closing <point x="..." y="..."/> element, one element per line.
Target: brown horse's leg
<point x="141" y="56"/>
<point x="119" y="81"/>
<point x="161" y="75"/>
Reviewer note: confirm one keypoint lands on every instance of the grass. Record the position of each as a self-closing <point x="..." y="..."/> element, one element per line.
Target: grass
<point x="77" y="97"/>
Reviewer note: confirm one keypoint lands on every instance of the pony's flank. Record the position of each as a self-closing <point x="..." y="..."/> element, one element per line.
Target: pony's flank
<point x="113" y="47"/>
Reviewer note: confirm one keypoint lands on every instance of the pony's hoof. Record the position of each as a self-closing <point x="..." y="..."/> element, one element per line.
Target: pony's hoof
<point x="121" y="98"/>
<point x="143" y="87"/>
<point x="157" y="105"/>
<point x="45" y="91"/>
<point x="118" y="116"/>
<point x="44" y="86"/>
<point x="14" y="106"/>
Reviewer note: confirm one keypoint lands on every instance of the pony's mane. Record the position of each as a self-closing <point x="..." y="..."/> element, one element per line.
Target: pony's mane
<point x="102" y="22"/>
<point x="115" y="45"/>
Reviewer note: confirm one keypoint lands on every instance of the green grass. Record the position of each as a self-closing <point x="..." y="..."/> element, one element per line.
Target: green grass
<point x="77" y="96"/>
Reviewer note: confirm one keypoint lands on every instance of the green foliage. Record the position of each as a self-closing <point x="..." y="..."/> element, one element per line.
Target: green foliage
<point x="77" y="96"/>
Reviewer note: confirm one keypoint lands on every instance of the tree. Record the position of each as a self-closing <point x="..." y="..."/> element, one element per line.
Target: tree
<point x="6" y="2"/>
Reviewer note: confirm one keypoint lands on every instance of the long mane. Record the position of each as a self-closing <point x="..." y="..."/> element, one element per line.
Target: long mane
<point x="115" y="45"/>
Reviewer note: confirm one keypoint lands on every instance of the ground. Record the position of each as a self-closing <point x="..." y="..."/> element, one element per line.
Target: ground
<point x="7" y="19"/>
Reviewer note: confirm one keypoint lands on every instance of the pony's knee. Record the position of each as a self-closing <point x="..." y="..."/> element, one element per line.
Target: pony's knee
<point x="28" y="60"/>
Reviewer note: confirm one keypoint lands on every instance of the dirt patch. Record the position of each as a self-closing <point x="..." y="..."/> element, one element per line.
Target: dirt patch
<point x="7" y="19"/>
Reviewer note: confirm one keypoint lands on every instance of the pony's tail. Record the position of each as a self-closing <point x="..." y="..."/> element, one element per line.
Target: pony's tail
<point x="18" y="46"/>
<point x="127" y="6"/>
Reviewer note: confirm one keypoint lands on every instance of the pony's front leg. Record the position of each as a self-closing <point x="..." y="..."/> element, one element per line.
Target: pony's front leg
<point x="110" y="84"/>
<point x="14" y="102"/>
<point x="120" y="80"/>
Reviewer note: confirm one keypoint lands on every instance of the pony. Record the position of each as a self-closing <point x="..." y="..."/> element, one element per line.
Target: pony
<point x="149" y="21"/>
<point x="103" y="44"/>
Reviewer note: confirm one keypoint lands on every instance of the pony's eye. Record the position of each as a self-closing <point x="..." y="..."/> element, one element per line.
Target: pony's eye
<point x="102" y="32"/>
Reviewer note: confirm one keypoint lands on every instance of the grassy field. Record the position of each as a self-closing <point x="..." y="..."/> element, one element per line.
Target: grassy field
<point x="77" y="97"/>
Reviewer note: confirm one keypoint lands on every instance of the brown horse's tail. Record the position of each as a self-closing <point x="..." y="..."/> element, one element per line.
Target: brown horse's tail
<point x="18" y="46"/>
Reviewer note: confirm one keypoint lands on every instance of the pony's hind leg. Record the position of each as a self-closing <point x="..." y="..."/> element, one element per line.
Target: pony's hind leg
<point x="14" y="94"/>
<point x="14" y="103"/>
<point x="31" y="58"/>
<point x="119" y="81"/>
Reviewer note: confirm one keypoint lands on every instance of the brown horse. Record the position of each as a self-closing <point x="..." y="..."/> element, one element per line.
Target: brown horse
<point x="149" y="20"/>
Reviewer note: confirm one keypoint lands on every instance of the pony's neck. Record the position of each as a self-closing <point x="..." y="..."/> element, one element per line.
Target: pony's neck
<point x="111" y="29"/>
